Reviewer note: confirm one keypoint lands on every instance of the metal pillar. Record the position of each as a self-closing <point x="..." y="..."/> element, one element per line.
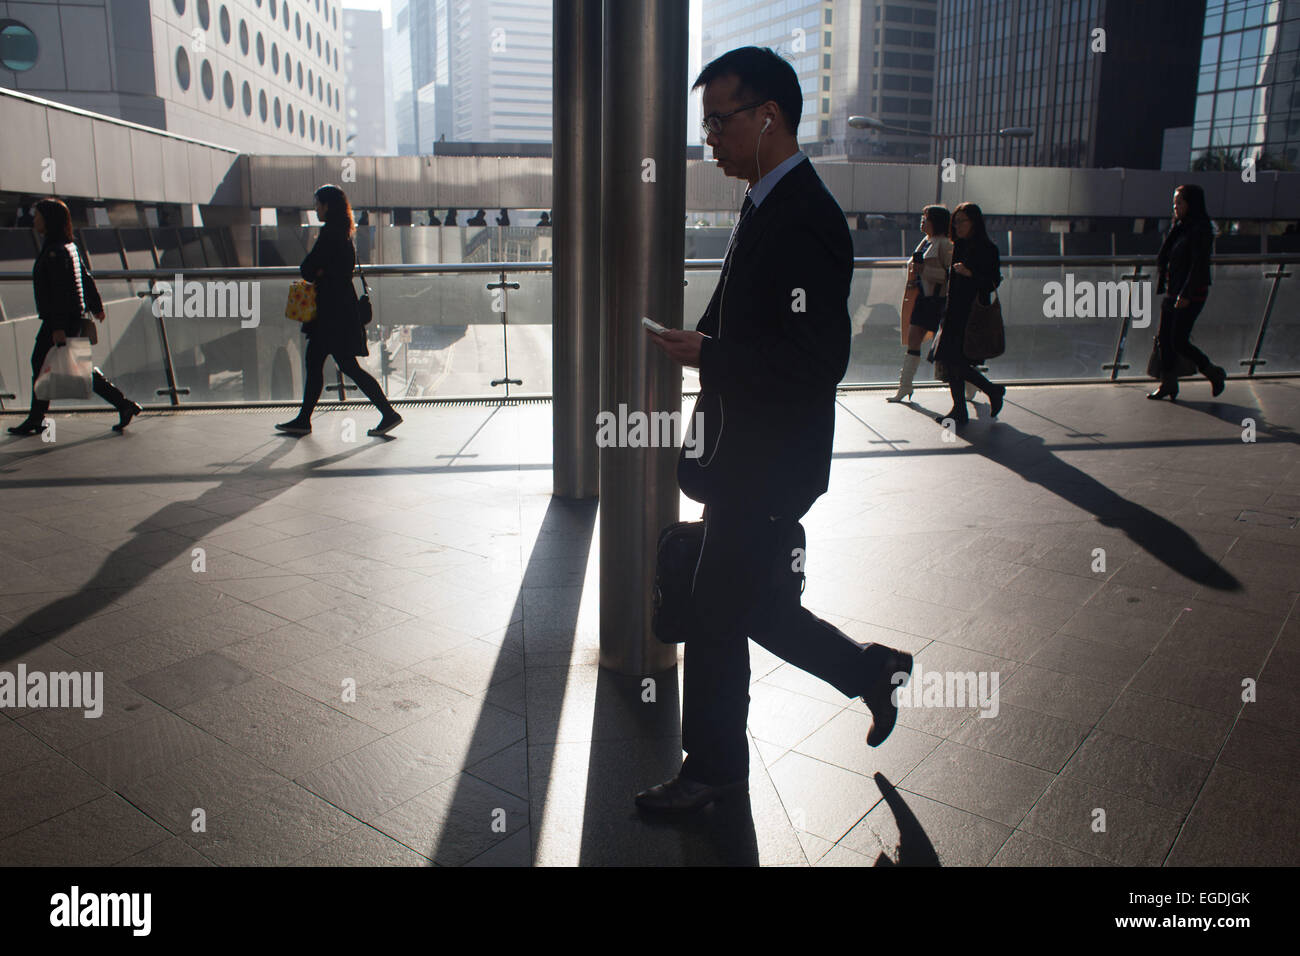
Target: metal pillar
<point x="643" y="201"/>
<point x="575" y="277"/>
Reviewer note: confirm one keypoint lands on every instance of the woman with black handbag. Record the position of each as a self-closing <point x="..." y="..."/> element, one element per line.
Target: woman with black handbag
<point x="338" y="329"/>
<point x="65" y="291"/>
<point x="976" y="272"/>
<point x="1184" y="278"/>
<point x="927" y="276"/>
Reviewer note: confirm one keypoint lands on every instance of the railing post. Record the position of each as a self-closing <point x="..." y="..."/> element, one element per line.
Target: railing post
<point x="506" y="380"/>
<point x="172" y="390"/>
<point x="1122" y="341"/>
<point x="1255" y="360"/>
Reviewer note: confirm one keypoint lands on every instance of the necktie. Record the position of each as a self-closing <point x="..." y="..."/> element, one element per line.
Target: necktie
<point x="745" y="209"/>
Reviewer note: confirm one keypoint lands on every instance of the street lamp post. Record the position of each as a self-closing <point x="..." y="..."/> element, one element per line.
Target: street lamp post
<point x="870" y="122"/>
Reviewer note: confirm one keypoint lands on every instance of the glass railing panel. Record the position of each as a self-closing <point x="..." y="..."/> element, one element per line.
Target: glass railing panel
<point x="1281" y="349"/>
<point x="444" y="336"/>
<point x="1227" y="327"/>
<point x="129" y="350"/>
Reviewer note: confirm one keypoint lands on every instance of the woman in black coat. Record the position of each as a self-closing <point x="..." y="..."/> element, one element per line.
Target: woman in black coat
<point x="337" y="330"/>
<point x="65" y="291"/>
<point x="975" y="271"/>
<point x="1184" y="267"/>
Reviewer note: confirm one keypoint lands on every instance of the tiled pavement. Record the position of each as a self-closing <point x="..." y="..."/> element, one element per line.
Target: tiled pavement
<point x="435" y="575"/>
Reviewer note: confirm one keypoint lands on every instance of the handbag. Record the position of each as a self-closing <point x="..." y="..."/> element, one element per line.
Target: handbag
<point x="301" y="305"/>
<point x="88" y="330"/>
<point x="65" y="371"/>
<point x="1156" y="368"/>
<point x="677" y="555"/>
<point x="940" y="369"/>
<point x="986" y="337"/>
<point x="365" y="310"/>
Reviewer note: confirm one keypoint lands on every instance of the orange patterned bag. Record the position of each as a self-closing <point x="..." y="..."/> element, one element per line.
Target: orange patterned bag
<point x="301" y="306"/>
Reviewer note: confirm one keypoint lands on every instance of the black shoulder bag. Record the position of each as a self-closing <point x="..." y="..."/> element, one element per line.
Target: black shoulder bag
<point x="365" y="310"/>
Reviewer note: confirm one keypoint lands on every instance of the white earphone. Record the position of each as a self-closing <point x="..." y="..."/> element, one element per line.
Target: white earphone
<point x="766" y="123"/>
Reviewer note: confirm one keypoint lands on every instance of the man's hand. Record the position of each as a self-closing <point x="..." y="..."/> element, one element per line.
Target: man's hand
<point x="961" y="269"/>
<point x="99" y="316"/>
<point x="681" y="346"/>
<point x="60" y="337"/>
<point x="1182" y="303"/>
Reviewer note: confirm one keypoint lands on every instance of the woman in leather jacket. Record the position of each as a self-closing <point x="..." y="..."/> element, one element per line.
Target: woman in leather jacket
<point x="337" y="330"/>
<point x="65" y="290"/>
<point x="1184" y="278"/>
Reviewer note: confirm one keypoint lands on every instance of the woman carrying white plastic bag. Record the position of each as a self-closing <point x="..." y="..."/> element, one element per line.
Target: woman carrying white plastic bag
<point x="65" y="291"/>
<point x="66" y="372"/>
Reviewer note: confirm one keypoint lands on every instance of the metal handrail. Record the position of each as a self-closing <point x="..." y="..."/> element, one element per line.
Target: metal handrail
<point x="692" y="265"/>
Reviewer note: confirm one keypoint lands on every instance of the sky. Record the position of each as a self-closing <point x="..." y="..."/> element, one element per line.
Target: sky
<point x="386" y="8"/>
<point x="693" y="64"/>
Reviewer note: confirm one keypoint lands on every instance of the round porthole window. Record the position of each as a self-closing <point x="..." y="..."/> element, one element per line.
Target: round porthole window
<point x="182" y="68"/>
<point x="205" y="14"/>
<point x="18" y="46"/>
<point x="179" y="5"/>
<point x="228" y="90"/>
<point x="207" y="80"/>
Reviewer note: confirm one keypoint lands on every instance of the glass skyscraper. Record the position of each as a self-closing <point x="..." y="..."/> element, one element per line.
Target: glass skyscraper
<point x="1248" y="93"/>
<point x="1098" y="81"/>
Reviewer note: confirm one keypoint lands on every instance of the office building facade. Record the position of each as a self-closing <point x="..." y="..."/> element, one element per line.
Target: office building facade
<point x="1098" y="81"/>
<point x="1248" y="91"/>
<point x="363" y="71"/>
<point x="799" y="30"/>
<point x="883" y="66"/>
<point x="260" y="76"/>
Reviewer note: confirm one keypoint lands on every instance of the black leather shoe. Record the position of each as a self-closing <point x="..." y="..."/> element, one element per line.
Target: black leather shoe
<point x="880" y="697"/>
<point x="125" y="414"/>
<point x="961" y="418"/>
<point x="680" y="795"/>
<point x="1164" y="392"/>
<point x="1217" y="377"/>
<point x="995" y="399"/>
<point x="28" y="426"/>
<point x="294" y="427"/>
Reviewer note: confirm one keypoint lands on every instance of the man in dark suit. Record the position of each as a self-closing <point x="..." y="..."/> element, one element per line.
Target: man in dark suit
<point x="771" y="348"/>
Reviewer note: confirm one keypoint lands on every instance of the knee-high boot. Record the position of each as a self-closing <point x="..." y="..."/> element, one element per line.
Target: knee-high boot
<point x="126" y="409"/>
<point x="911" y="361"/>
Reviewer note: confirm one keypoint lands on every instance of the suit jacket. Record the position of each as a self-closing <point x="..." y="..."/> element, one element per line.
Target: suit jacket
<point x="778" y="343"/>
<point x="330" y="265"/>
<point x="59" y="302"/>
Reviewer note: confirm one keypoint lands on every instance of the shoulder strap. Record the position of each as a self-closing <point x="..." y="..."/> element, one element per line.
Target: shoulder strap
<point x="357" y="271"/>
<point x="75" y="255"/>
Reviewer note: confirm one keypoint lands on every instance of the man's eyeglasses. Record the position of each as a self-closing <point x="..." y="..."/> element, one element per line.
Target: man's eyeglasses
<point x="713" y="122"/>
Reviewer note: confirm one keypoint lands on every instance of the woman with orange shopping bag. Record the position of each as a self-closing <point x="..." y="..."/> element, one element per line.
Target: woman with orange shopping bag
<point x="65" y="291"/>
<point x="337" y="329"/>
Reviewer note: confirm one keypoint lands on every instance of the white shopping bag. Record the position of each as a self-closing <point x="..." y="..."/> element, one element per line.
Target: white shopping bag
<point x="66" y="371"/>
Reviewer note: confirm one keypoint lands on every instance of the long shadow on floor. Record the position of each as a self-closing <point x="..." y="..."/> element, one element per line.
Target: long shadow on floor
<point x="1028" y="456"/>
<point x="124" y="569"/>
<point x="914" y="847"/>
<point x="1236" y="415"/>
